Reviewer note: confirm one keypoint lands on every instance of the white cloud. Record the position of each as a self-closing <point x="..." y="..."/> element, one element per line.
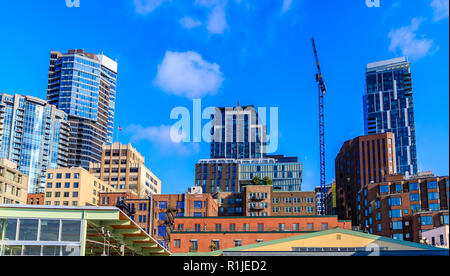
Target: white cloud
<point x="188" y="75"/>
<point x="162" y="138"/>
<point x="405" y="39"/>
<point x="217" y="21"/>
<point x="145" y="7"/>
<point x="190" y="23"/>
<point x="440" y="8"/>
<point x="287" y="4"/>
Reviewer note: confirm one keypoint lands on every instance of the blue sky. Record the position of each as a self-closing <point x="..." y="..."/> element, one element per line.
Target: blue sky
<point x="253" y="51"/>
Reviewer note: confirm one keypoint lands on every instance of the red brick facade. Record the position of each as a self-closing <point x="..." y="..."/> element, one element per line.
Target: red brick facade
<point x="35" y="199"/>
<point x="198" y="234"/>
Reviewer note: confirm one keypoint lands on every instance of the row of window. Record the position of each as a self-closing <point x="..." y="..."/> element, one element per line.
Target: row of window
<point x="67" y="176"/>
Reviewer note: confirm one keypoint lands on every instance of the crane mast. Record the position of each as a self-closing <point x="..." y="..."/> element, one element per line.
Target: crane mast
<point x="322" y="91"/>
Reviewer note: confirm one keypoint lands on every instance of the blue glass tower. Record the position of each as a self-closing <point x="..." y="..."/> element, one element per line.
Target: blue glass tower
<point x="238" y="134"/>
<point x="34" y="135"/>
<point x="389" y="107"/>
<point x="84" y="86"/>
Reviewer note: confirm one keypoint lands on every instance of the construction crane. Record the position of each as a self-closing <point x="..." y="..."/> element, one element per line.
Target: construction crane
<point x="322" y="92"/>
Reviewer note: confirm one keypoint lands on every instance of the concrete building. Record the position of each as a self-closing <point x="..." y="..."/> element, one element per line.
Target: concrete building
<point x="35" y="135"/>
<point x="437" y="237"/>
<point x="389" y="107"/>
<point x="123" y="167"/>
<point x="13" y="184"/>
<point x="360" y="162"/>
<point x="207" y="234"/>
<point x="403" y="208"/>
<point x="74" y="187"/>
<point x="72" y="231"/>
<point x="335" y="242"/>
<point x="84" y="85"/>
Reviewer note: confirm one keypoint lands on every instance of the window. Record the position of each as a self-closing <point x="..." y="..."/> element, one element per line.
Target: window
<point x="432" y="185"/>
<point x="71" y="231"/>
<point x="414" y="186"/>
<point x="163" y="205"/>
<point x="58" y="175"/>
<point x="310" y="227"/>
<point x="198" y="204"/>
<point x="260" y="227"/>
<point x="427" y="220"/>
<point x="433" y="196"/>
<point x="446" y="219"/>
<point x="162" y="231"/>
<point x="75" y="194"/>
<point x="76" y="175"/>
<point x="49" y="230"/>
<point x="434" y="207"/>
<point x="396" y="201"/>
<point x="281" y="227"/>
<point x="197" y="214"/>
<point x="216" y="244"/>
<point x="324" y="226"/>
<point x="49" y="185"/>
<point x="50" y="176"/>
<point x="66" y="185"/>
<point x="10" y="229"/>
<point x="395" y="213"/>
<point x="162" y="216"/>
<point x="197" y="228"/>
<point x="232" y="227"/>
<point x="28" y="229"/>
<point x="384" y="189"/>
<point x="177" y="243"/>
<point x="237" y="243"/>
<point x="58" y="185"/>
<point x="415" y="197"/>
<point x="397" y="225"/>
<point x="218" y="227"/>
<point x="194" y="246"/>
<point x="397" y="237"/>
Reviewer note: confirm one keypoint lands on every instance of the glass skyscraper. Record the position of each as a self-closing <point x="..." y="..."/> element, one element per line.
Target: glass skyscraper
<point x="237" y="133"/>
<point x="389" y="107"/>
<point x="34" y="135"/>
<point x="84" y="86"/>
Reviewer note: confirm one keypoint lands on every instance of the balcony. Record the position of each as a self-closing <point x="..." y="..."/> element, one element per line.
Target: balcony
<point x="256" y="209"/>
<point x="256" y="199"/>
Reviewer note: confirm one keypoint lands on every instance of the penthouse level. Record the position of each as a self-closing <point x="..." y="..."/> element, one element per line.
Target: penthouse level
<point x="193" y="234"/>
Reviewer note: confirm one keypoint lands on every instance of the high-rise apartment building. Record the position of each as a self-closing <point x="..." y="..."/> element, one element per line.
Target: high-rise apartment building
<point x="84" y="86"/>
<point x="238" y="133"/>
<point x="360" y="162"/>
<point x="123" y="167"/>
<point x="389" y="107"/>
<point x="34" y="135"/>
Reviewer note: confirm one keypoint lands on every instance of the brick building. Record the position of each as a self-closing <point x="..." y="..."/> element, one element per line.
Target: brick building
<point x="403" y="208"/>
<point x="36" y="199"/>
<point x="361" y="161"/>
<point x="193" y="234"/>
